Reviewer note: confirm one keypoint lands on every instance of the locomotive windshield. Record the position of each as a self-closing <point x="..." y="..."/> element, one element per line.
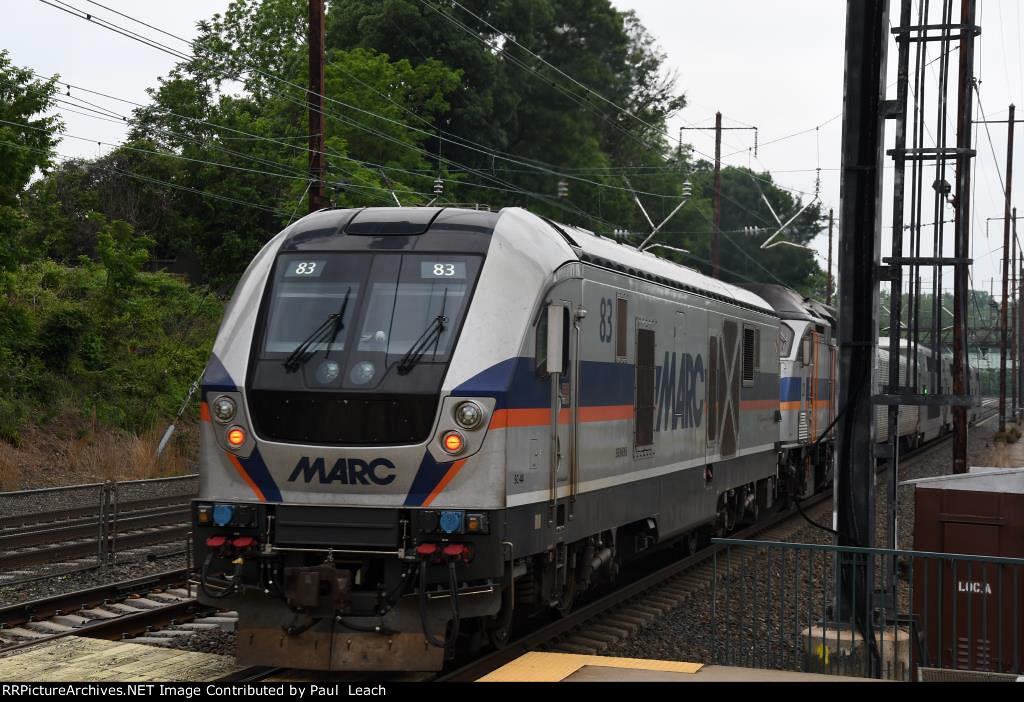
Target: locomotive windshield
<point x="348" y="331"/>
<point x="371" y="312"/>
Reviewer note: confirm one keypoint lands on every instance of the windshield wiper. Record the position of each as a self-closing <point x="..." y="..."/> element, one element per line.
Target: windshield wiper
<point x="431" y="335"/>
<point x="333" y="325"/>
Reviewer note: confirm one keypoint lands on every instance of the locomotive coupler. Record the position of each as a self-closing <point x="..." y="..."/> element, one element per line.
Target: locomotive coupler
<point x="318" y="591"/>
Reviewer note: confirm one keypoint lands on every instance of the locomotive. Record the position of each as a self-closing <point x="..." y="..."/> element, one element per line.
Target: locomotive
<point x="419" y="421"/>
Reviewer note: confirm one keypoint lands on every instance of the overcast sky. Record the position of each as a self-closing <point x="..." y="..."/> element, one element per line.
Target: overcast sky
<point x="776" y="65"/>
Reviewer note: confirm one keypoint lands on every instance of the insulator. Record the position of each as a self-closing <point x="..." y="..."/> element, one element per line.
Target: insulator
<point x="438" y="186"/>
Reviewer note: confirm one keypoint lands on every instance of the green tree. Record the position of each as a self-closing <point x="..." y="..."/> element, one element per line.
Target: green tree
<point x="513" y="99"/>
<point x="26" y="145"/>
<point x="250" y="149"/>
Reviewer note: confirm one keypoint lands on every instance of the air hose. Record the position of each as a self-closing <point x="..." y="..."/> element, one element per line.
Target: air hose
<point x="453" y="587"/>
<point x="204" y="575"/>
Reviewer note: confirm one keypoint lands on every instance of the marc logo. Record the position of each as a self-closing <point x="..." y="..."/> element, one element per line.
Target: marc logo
<point x="679" y="385"/>
<point x="348" y="471"/>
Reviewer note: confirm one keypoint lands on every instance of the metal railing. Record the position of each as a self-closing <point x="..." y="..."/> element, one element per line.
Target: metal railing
<point x="93" y="486"/>
<point x="774" y="605"/>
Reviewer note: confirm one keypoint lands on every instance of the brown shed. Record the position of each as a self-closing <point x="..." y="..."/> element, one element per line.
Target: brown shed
<point x="970" y="611"/>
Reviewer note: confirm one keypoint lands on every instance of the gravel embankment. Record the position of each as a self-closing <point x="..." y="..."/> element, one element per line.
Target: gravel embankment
<point x="763" y="602"/>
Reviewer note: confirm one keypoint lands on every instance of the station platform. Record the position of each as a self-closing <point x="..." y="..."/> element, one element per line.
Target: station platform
<point x="80" y="659"/>
<point x="566" y="667"/>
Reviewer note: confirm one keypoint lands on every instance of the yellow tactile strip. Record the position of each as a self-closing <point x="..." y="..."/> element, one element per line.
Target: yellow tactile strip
<point x="554" y="667"/>
<point x="78" y="659"/>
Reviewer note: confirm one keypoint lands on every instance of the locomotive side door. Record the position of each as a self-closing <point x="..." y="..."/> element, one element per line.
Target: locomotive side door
<point x="564" y="340"/>
<point x="564" y="332"/>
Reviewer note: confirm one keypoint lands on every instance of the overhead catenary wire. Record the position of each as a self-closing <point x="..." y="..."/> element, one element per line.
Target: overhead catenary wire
<point x="248" y="135"/>
<point x="508" y="187"/>
<point x="547" y="200"/>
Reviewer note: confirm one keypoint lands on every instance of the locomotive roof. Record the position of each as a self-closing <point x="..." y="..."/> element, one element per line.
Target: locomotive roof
<point x="609" y="253"/>
<point x="462" y="227"/>
<point x="790" y="304"/>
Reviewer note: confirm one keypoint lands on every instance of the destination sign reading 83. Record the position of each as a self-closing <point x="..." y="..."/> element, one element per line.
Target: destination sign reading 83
<point x="456" y="270"/>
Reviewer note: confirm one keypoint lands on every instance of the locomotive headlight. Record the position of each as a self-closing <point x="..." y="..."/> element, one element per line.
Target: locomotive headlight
<point x="327" y="372"/>
<point x="469" y="415"/>
<point x="224" y="409"/>
<point x="362" y="373"/>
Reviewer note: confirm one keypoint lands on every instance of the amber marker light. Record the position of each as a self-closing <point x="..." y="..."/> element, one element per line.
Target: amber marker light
<point x="453" y="443"/>
<point x="236" y="437"/>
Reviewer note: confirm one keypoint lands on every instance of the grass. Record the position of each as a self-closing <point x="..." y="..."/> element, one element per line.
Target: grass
<point x="1010" y="435"/>
<point x="127" y="456"/>
<point x="64" y="457"/>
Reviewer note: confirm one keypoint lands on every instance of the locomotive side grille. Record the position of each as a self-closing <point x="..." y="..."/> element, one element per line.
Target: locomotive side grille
<point x="342" y="418"/>
<point x="802" y="431"/>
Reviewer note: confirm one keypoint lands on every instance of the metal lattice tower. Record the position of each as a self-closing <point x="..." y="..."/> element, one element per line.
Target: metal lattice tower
<point x="929" y="166"/>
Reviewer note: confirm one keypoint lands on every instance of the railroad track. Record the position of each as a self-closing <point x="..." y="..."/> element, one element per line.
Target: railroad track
<point x="85" y="516"/>
<point x="147" y="531"/>
<point x="113" y="611"/>
<point x="66" y="535"/>
<point x="615" y="617"/>
<point x="591" y="629"/>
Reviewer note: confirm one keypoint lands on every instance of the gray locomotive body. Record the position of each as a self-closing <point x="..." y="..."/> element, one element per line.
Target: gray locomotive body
<point x="418" y="420"/>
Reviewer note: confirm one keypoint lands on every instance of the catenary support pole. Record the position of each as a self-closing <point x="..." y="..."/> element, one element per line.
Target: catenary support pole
<point x="860" y="219"/>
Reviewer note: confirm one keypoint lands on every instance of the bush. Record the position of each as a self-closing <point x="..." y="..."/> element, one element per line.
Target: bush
<point x="75" y="354"/>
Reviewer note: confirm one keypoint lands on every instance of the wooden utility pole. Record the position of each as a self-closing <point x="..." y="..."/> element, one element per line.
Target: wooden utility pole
<point x="1004" y="310"/>
<point x="828" y="285"/>
<point x="716" y="244"/>
<point x="315" y="102"/>
<point x="716" y="241"/>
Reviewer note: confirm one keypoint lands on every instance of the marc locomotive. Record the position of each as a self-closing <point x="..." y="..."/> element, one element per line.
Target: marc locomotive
<point x="418" y="421"/>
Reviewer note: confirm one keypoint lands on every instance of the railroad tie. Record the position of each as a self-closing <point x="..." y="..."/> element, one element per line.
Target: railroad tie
<point x="587" y="641"/>
<point x="620" y="632"/>
<point x="98" y="614"/>
<point x="617" y="621"/>
<point x="637" y="619"/>
<point x="566" y="647"/>
<point x="591" y="634"/>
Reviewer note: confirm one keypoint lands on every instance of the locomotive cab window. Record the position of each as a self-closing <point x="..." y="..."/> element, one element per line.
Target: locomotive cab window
<point x="541" y="351"/>
<point x="786" y="336"/>
<point x="621" y="327"/>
